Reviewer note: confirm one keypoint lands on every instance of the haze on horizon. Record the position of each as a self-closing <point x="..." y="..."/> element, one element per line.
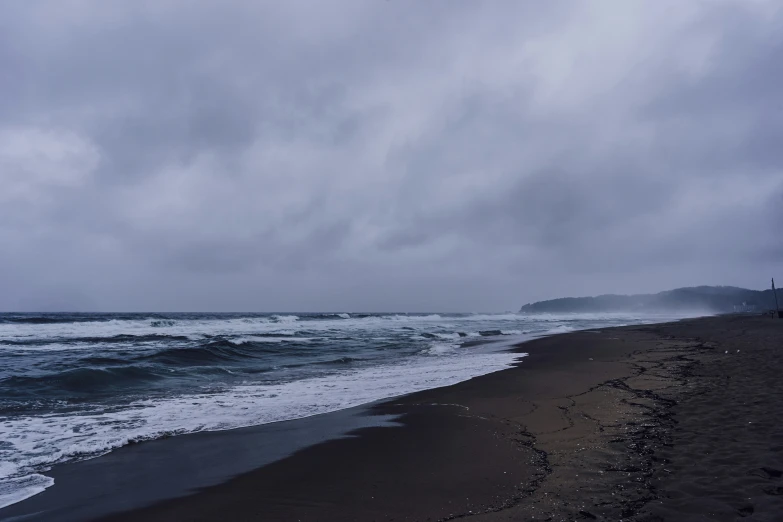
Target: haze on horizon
<point x="385" y="155"/>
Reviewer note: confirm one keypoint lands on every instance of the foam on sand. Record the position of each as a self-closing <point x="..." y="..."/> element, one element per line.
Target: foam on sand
<point x="18" y="489"/>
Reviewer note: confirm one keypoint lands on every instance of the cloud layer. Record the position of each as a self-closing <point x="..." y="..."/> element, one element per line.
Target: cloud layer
<point x="384" y="155"/>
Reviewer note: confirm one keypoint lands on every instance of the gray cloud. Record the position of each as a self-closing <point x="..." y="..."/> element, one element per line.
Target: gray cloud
<point x="390" y="155"/>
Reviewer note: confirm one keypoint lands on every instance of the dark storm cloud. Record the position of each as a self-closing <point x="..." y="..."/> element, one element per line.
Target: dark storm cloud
<point x="384" y="155"/>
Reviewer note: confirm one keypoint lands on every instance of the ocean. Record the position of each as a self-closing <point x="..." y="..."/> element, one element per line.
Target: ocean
<point x="77" y="386"/>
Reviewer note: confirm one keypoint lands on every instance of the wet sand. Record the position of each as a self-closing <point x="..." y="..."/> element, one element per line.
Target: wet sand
<point x="679" y="421"/>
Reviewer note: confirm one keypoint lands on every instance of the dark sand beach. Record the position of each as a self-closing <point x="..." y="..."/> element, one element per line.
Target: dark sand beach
<point x="679" y="421"/>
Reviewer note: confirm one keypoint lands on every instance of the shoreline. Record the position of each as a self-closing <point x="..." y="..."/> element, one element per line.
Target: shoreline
<point x="138" y="475"/>
<point x="456" y="450"/>
<point x="588" y="425"/>
<point x="174" y="457"/>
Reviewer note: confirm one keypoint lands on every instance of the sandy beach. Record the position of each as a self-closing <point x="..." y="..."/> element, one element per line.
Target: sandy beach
<point x="677" y="421"/>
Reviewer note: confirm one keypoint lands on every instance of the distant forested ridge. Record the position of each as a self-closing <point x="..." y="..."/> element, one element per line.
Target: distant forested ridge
<point x="716" y="299"/>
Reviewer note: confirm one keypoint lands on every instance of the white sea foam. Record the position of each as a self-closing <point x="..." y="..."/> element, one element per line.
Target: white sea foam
<point x="267" y="339"/>
<point x="285" y="318"/>
<point x="452" y="336"/>
<point x="441" y="348"/>
<point x="196" y="329"/>
<point x="52" y="347"/>
<point x="560" y="329"/>
<point x="34" y="443"/>
<point x="17" y="489"/>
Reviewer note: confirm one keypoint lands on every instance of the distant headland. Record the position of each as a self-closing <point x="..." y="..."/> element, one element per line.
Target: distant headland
<point x="714" y="299"/>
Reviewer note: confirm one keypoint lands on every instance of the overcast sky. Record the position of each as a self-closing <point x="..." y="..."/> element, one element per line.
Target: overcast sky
<point x="384" y="155"/>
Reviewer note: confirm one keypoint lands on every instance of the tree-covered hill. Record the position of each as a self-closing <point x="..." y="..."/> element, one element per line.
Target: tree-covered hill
<point x="716" y="299"/>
